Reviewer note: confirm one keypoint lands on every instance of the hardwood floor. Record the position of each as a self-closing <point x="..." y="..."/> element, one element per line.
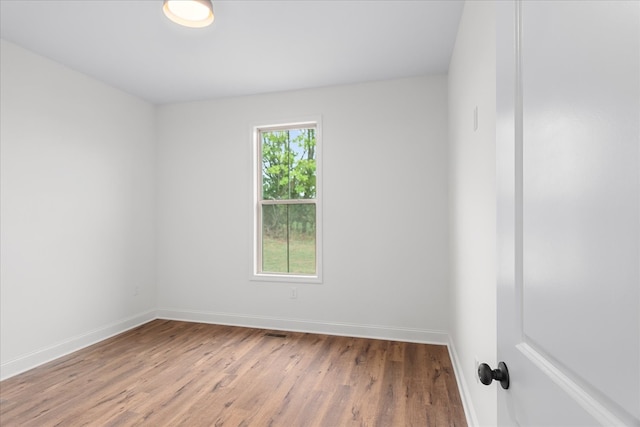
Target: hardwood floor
<point x="168" y="373"/>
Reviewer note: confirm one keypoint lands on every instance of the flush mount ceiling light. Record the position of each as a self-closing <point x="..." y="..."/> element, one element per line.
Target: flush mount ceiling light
<point x="190" y="13"/>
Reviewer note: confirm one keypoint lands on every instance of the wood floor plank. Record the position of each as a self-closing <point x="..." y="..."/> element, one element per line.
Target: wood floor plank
<point x="170" y="373"/>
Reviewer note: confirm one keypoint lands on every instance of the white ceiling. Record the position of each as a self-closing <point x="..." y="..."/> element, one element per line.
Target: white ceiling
<point x="252" y="47"/>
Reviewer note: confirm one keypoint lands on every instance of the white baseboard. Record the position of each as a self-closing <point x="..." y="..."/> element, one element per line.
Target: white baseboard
<point x="39" y="357"/>
<point x="465" y="395"/>
<point x="296" y="325"/>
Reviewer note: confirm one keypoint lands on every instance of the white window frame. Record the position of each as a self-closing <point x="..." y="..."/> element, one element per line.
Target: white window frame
<point x="257" y="274"/>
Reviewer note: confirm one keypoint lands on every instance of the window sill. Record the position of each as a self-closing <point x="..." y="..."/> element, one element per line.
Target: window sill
<point x="286" y="278"/>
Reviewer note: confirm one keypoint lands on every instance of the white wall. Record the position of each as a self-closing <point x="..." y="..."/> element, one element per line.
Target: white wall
<point x="385" y="211"/>
<point x="472" y="74"/>
<point x="77" y="210"/>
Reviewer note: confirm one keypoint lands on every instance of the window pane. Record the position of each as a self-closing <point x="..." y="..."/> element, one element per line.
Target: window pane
<point x="288" y="164"/>
<point x="274" y="239"/>
<point x="289" y="239"/>
<point x="302" y="239"/>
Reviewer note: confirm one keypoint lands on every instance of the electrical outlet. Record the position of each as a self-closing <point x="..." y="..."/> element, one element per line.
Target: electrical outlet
<point x="294" y="293"/>
<point x="475" y="119"/>
<point x="136" y="291"/>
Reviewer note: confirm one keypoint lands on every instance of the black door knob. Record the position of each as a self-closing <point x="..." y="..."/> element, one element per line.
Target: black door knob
<point x="487" y="375"/>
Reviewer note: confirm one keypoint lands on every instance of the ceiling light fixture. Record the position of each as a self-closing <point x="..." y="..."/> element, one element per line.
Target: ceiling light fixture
<point x="190" y="13"/>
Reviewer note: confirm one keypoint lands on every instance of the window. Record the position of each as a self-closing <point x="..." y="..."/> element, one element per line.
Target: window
<point x="287" y="194"/>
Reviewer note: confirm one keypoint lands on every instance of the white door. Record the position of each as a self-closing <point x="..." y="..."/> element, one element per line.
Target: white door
<point x="568" y="143"/>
